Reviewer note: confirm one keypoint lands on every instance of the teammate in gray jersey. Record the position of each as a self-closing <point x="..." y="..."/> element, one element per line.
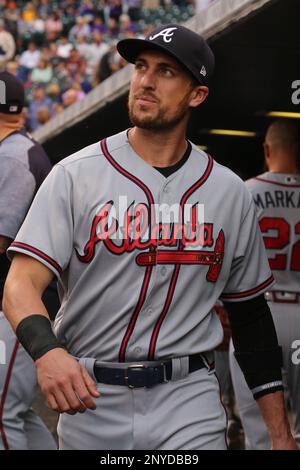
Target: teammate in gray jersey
<point x="24" y="165"/>
<point x="140" y="266"/>
<point x="276" y="193"/>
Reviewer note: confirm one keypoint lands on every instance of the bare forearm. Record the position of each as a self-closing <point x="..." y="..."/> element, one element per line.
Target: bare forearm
<point x="273" y="411"/>
<point x="21" y="299"/>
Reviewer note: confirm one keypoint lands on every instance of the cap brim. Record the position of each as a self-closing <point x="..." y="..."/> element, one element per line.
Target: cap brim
<point x="131" y="48"/>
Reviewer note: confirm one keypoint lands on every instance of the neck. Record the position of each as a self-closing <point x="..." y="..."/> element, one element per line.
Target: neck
<point x="159" y="148"/>
<point x="289" y="167"/>
<point x="8" y="125"/>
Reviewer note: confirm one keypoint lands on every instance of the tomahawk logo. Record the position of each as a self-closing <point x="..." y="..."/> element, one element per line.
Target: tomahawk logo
<point x="166" y="33"/>
<point x="2" y="92"/>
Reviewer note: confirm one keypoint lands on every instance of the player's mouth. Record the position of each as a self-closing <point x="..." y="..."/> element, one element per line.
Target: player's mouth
<point x="145" y="100"/>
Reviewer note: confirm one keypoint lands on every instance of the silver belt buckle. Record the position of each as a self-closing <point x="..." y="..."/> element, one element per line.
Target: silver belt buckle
<point x="127" y="378"/>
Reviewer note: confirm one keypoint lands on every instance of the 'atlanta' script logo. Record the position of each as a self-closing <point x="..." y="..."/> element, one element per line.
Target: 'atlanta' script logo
<point x="139" y="230"/>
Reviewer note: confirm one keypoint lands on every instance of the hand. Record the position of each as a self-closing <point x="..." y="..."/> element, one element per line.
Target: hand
<point x="66" y="385"/>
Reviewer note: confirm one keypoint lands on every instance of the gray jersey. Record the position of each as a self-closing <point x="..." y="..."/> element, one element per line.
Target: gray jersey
<point x="20" y="427"/>
<point x="277" y="200"/>
<point x="132" y="286"/>
<point x="24" y="165"/>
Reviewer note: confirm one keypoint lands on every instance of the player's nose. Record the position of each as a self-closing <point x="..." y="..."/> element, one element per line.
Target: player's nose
<point x="148" y="80"/>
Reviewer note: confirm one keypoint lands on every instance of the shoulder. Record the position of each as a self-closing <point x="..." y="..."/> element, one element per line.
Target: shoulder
<point x="19" y="141"/>
<point x="16" y="147"/>
<point x="258" y="182"/>
<point x="95" y="152"/>
<point x="92" y="151"/>
<point x="228" y="176"/>
<point x="220" y="174"/>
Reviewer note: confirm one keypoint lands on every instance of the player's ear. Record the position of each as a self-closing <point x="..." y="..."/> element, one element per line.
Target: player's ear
<point x="198" y="95"/>
<point x="266" y="150"/>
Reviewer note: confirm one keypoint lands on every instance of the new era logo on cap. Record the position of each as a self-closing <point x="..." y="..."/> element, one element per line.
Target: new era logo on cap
<point x="166" y="33"/>
<point x="203" y="71"/>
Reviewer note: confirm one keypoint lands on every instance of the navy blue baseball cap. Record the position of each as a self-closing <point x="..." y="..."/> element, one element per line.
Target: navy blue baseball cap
<point x="12" y="94"/>
<point x="188" y="48"/>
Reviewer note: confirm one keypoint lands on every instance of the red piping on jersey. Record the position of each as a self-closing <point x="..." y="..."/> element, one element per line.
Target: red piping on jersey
<point x="135" y="315"/>
<point x="249" y="292"/>
<point x="42" y="255"/>
<point x="5" y="389"/>
<point x="148" y="272"/>
<point x="126" y="173"/>
<point x="278" y="184"/>
<point x="200" y="182"/>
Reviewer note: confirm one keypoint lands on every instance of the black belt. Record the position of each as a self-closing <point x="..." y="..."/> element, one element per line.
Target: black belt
<point x="139" y="375"/>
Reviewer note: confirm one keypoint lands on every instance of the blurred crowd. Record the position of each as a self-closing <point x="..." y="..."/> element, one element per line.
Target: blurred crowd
<point x="62" y="49"/>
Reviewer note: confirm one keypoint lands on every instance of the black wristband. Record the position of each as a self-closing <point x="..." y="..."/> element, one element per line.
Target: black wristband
<point x="36" y="336"/>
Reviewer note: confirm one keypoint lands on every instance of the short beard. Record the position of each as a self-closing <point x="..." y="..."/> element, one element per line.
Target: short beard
<point x="159" y="122"/>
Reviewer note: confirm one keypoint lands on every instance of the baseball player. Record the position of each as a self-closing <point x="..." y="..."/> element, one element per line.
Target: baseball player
<point x="144" y="233"/>
<point x="276" y="194"/>
<point x="24" y="165"/>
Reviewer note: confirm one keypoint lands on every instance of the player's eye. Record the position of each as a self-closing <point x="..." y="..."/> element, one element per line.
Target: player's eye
<point x="139" y="66"/>
<point x="167" y="72"/>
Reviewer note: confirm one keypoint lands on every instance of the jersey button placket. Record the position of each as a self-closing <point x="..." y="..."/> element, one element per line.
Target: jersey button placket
<point x="163" y="271"/>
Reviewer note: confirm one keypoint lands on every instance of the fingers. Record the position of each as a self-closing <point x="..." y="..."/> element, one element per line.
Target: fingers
<point x="85" y="387"/>
<point x="74" y="401"/>
<point x="63" y="404"/>
<point x="89" y="382"/>
<point x="52" y="403"/>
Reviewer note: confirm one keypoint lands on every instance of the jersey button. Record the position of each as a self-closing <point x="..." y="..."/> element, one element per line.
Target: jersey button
<point x="166" y="190"/>
<point x="137" y="350"/>
<point x="163" y="271"/>
<point x="150" y="311"/>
